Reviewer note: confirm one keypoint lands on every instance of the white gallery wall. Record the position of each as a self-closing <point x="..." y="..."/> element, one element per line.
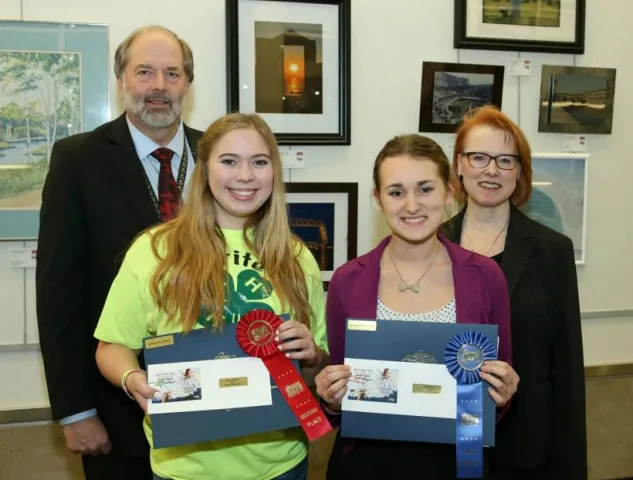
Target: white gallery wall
<point x="390" y="40"/>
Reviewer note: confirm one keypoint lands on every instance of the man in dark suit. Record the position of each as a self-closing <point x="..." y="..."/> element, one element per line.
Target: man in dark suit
<point x="103" y="188"/>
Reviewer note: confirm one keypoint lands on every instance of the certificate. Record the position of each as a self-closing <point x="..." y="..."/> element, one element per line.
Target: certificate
<point x="210" y="389"/>
<point x="402" y="387"/>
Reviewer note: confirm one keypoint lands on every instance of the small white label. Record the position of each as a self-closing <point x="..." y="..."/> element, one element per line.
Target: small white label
<point x="575" y="143"/>
<point x="293" y="158"/>
<point x="520" y="67"/>
<point x="22" y="257"/>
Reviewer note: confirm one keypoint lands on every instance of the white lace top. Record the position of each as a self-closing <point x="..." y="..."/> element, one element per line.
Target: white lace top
<point x="446" y="314"/>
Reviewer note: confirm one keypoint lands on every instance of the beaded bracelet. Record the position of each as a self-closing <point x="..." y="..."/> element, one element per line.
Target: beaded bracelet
<point x="124" y="377"/>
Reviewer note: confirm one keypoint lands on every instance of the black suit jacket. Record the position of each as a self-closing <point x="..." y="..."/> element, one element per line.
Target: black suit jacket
<point x="545" y="425"/>
<point x="94" y="202"/>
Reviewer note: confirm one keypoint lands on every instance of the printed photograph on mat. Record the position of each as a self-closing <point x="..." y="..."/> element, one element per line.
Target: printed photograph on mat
<point x="177" y="385"/>
<point x="40" y="98"/>
<point x="536" y="13"/>
<point x="54" y="84"/>
<point x="374" y="385"/>
<point x="553" y="26"/>
<point x="325" y="217"/>
<point x="314" y="224"/>
<point x="450" y="90"/>
<point x="559" y="196"/>
<point x="289" y="61"/>
<point x="576" y="99"/>
<point x="289" y="67"/>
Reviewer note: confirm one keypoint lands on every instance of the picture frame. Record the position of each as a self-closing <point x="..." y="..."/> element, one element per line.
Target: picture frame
<point x="306" y="97"/>
<point x="325" y="217"/>
<point x="559" y="196"/>
<point x="449" y="90"/>
<point x="55" y="83"/>
<point x="547" y="26"/>
<point x="576" y="99"/>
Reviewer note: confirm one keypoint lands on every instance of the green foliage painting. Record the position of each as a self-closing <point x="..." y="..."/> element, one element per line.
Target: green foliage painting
<point x="40" y="102"/>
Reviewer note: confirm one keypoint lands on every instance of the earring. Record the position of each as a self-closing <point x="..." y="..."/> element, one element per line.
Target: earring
<point x="461" y="178"/>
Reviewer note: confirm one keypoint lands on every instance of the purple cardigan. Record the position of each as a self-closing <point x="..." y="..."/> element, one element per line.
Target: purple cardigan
<point x="481" y="295"/>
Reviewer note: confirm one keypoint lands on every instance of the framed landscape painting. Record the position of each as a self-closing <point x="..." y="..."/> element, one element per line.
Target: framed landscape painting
<point x="576" y="99"/>
<point x="325" y="217"/>
<point x="289" y="61"/>
<point x="559" y="196"/>
<point x="449" y="90"/>
<point x="53" y="83"/>
<point x="552" y="26"/>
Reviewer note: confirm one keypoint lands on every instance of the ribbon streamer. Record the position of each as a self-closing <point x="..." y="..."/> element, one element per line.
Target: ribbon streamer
<point x="255" y="333"/>
<point x="464" y="356"/>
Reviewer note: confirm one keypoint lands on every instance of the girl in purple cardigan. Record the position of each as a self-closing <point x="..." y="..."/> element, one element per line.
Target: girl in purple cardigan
<point x="414" y="274"/>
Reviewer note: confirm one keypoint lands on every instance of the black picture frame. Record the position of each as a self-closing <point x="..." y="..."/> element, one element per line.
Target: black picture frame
<point x="578" y="105"/>
<point x="320" y="191"/>
<point x="462" y="39"/>
<point x="342" y="136"/>
<point x="427" y="98"/>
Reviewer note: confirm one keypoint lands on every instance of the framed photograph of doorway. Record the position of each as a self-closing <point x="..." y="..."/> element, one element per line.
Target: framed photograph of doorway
<point x="289" y="61"/>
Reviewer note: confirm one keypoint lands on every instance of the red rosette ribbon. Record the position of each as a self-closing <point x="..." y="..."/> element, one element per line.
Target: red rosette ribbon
<point x="255" y="333"/>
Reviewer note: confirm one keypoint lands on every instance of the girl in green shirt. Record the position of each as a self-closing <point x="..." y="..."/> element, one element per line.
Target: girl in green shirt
<point x="230" y="250"/>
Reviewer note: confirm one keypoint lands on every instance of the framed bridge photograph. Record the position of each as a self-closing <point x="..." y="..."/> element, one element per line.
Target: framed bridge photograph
<point x="325" y="217"/>
<point x="449" y="90"/>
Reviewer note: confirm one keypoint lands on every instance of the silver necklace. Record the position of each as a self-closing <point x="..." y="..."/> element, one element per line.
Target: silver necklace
<point x="414" y="287"/>
<point x="470" y="240"/>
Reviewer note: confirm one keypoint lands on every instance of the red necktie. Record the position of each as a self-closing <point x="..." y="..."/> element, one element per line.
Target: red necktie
<point x="168" y="192"/>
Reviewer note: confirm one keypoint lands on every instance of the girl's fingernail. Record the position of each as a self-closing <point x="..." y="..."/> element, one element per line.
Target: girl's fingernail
<point x="276" y="339"/>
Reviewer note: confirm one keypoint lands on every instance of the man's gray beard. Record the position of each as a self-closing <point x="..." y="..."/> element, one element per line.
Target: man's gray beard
<point x="160" y="118"/>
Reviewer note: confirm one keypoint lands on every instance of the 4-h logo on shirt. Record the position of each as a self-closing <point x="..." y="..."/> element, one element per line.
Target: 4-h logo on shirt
<point x="243" y="295"/>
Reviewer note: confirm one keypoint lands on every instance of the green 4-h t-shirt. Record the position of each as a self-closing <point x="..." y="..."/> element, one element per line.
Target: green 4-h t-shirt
<point x="130" y="315"/>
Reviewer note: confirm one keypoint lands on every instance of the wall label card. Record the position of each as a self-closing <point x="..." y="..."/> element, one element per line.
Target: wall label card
<point x="22" y="257"/>
<point x="520" y="67"/>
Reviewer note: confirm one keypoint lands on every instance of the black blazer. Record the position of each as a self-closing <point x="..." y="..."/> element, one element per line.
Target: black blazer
<point x="94" y="202"/>
<point x="545" y="425"/>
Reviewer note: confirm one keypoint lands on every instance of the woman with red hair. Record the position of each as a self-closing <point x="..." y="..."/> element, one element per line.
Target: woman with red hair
<point x="543" y="435"/>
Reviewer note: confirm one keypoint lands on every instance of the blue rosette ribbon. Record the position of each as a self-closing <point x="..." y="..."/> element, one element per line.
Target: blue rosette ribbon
<point x="464" y="356"/>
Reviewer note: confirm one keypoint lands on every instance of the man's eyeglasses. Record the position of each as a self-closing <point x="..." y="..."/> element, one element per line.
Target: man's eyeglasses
<point x="481" y="160"/>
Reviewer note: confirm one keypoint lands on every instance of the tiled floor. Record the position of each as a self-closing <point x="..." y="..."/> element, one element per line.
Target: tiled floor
<point x="39" y="453"/>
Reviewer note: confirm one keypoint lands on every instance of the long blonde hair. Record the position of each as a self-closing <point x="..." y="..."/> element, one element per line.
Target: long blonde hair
<point x="190" y="275"/>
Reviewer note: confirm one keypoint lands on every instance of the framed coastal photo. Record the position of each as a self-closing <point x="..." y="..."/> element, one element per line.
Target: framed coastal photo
<point x="552" y="26"/>
<point x="53" y="84"/>
<point x="576" y="99"/>
<point x="559" y="196"/>
<point x="449" y="90"/>
<point x="325" y="217"/>
<point x="289" y="61"/>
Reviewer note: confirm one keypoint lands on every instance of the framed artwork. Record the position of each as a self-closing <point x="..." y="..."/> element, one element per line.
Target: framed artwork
<point x="449" y="90"/>
<point x="325" y="217"/>
<point x="559" y="196"/>
<point x="54" y="83"/>
<point x="289" y="61"/>
<point x="552" y="26"/>
<point x="576" y="99"/>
